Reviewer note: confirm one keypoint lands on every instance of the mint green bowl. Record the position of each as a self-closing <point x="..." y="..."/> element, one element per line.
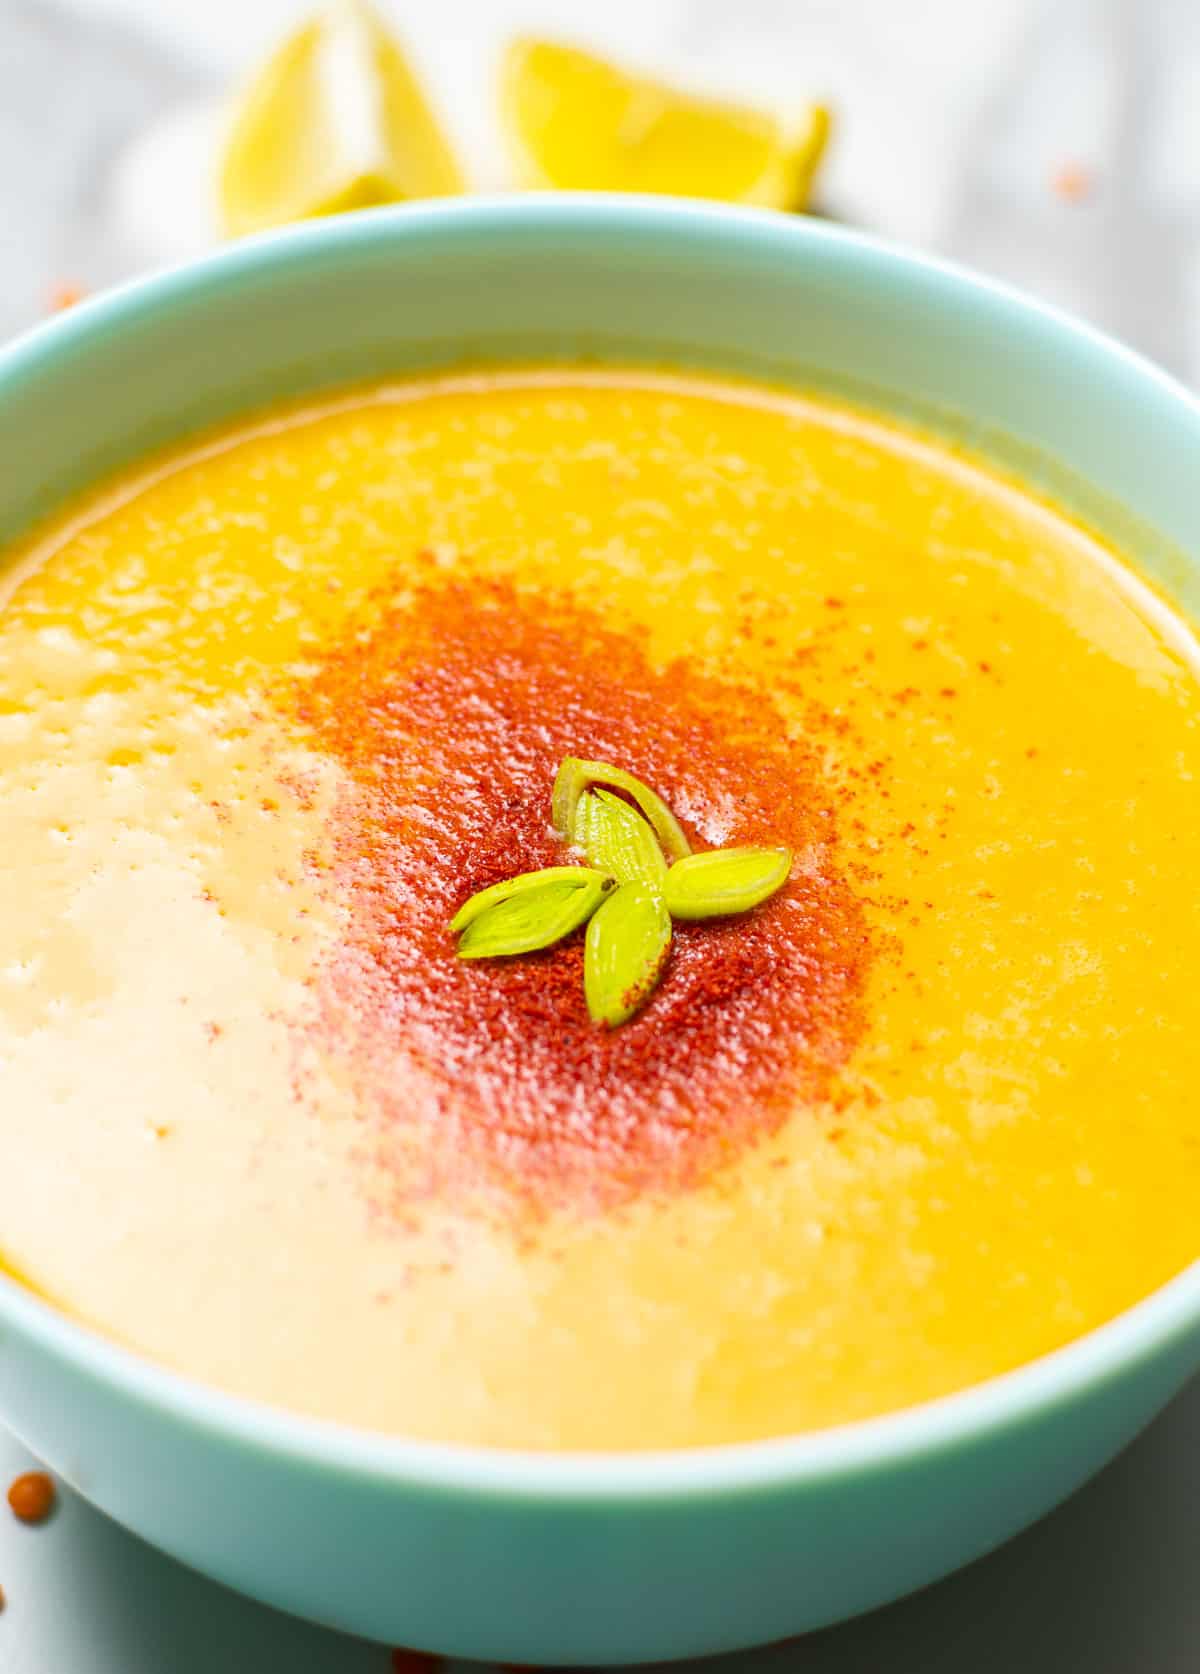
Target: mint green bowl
<point x="632" y="1557"/>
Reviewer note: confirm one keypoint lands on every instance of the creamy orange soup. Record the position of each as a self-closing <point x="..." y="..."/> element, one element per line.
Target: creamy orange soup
<point x="272" y="709"/>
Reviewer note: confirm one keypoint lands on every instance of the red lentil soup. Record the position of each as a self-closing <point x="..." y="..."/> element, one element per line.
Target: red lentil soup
<point x="273" y="709"/>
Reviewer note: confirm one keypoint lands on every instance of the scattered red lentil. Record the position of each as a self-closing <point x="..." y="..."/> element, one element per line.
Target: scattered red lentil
<point x="451" y="714"/>
<point x="413" y="1662"/>
<point x="32" y="1497"/>
<point x="1072" y="182"/>
<point x="65" y="295"/>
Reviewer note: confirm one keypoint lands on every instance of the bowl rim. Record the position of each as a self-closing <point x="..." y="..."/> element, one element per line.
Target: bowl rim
<point x="1138" y="1334"/>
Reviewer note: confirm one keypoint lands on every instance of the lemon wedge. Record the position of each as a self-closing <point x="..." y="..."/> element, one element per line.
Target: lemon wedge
<point x="334" y="120"/>
<point x="576" y="121"/>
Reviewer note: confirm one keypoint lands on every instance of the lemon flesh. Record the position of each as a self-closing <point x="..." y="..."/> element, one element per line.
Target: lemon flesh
<point x="578" y="122"/>
<point x="334" y="120"/>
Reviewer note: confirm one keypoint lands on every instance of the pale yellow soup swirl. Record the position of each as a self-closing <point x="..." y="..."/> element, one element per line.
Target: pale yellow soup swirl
<point x="1005" y="1152"/>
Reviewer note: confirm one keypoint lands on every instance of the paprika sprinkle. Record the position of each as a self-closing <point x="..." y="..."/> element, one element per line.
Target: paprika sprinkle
<point x="451" y="709"/>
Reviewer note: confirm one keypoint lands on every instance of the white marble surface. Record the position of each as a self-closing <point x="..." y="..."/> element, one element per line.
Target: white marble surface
<point x="955" y="116"/>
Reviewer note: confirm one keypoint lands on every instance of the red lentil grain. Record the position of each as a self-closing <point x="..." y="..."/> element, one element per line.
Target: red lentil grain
<point x="32" y="1497"/>
<point x="404" y="1661"/>
<point x="1072" y="182"/>
<point x="66" y="294"/>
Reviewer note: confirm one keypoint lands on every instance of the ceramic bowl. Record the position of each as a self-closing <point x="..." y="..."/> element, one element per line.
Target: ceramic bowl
<point x="606" y="1558"/>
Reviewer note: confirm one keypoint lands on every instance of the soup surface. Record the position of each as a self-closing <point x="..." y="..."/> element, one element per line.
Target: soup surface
<point x="273" y="709"/>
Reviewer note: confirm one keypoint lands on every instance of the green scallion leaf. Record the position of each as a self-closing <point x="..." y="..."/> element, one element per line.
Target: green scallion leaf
<point x="724" y="881"/>
<point x="617" y="840"/>
<point x="528" y="912"/>
<point x="628" y="940"/>
<point x="575" y="776"/>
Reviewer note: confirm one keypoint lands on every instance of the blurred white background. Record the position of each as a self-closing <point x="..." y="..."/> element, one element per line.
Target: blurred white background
<point x="959" y="121"/>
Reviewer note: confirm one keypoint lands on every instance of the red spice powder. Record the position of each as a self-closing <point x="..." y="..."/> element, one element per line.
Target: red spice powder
<point x="451" y="707"/>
